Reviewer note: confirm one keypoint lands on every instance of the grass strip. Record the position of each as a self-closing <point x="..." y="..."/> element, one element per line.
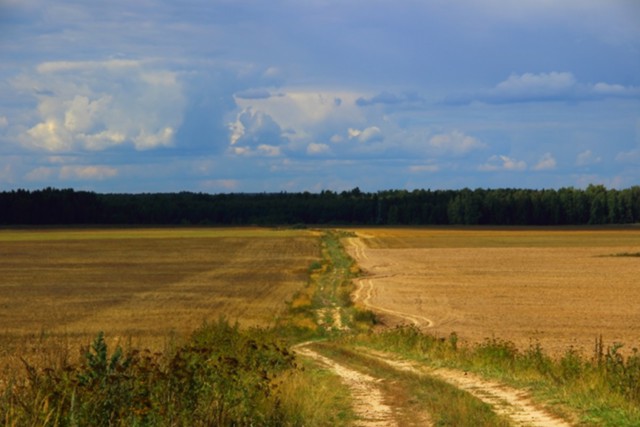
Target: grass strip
<point x="416" y="393"/>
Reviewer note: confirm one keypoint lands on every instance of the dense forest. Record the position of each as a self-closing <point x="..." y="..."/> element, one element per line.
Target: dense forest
<point x="566" y="206"/>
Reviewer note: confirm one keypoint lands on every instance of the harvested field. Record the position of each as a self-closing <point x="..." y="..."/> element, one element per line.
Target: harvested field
<point x="561" y="287"/>
<point x="144" y="285"/>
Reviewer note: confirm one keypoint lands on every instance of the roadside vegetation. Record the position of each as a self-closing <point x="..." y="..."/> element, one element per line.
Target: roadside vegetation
<point x="602" y="389"/>
<point x="224" y="374"/>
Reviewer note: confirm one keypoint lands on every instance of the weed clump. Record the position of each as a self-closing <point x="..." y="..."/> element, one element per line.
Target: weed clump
<point x="222" y="376"/>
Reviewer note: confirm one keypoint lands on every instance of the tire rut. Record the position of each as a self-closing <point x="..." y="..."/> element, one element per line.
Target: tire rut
<point x="368" y="398"/>
<point x="512" y="403"/>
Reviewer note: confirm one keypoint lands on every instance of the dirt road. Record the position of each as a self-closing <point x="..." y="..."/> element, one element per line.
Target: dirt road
<point x="368" y="398"/>
<point x="369" y="404"/>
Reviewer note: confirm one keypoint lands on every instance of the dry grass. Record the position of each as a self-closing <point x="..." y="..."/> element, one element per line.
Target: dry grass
<point x="142" y="286"/>
<point x="557" y="286"/>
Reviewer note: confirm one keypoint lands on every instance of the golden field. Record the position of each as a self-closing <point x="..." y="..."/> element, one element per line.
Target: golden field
<point x="560" y="287"/>
<point x="143" y="285"/>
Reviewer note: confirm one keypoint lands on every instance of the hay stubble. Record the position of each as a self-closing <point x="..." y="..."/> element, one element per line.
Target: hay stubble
<point x="559" y="287"/>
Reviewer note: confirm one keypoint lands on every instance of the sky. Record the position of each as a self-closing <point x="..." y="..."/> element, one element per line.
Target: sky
<point x="223" y="96"/>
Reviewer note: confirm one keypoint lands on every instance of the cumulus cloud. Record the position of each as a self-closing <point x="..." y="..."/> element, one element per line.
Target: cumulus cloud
<point x="95" y="105"/>
<point x="534" y="84"/>
<point x="255" y="132"/>
<point x="501" y="162"/>
<point x="307" y="115"/>
<point x="547" y="162"/>
<point x="632" y="156"/>
<point x="389" y="98"/>
<point x="315" y="148"/>
<point x="546" y="87"/>
<point x="367" y="135"/>
<point x="616" y="90"/>
<point x="587" y="158"/>
<point x="454" y="142"/>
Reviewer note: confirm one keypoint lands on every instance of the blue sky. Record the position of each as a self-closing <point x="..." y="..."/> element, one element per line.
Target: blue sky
<point x="251" y="96"/>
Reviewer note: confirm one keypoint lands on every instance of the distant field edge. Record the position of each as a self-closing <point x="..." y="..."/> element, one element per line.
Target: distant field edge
<point x="81" y="232"/>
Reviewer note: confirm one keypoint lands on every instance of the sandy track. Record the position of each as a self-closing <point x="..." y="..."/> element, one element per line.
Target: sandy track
<point x="506" y="401"/>
<point x="365" y="290"/>
<point x="368" y="399"/>
<point x="364" y="294"/>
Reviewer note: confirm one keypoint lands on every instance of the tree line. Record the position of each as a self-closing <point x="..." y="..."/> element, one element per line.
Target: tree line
<point x="566" y="206"/>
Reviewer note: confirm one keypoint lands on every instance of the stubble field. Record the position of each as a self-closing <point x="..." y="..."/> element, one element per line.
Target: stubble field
<point x="559" y="287"/>
<point x="142" y="286"/>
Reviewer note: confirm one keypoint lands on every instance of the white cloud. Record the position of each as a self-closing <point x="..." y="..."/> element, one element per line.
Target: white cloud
<point x="632" y="156"/>
<point x="454" y="142"/>
<point x="587" y="158"/>
<point x="615" y="90"/>
<point x="269" y="150"/>
<point x="87" y="172"/>
<point x="4" y="122"/>
<point x="307" y="113"/>
<point x="255" y="132"/>
<point x="315" y="148"/>
<point x="534" y="84"/>
<point x="336" y="139"/>
<point x="96" y="105"/>
<point x="500" y="162"/>
<point x="547" y="162"/>
<point x="545" y="87"/>
<point x="367" y="135"/>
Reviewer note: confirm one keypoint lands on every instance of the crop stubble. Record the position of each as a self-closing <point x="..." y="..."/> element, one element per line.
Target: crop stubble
<point x="560" y="287"/>
<point x="146" y="284"/>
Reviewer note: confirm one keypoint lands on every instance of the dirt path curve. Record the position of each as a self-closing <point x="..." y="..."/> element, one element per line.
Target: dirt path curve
<point x="368" y="399"/>
<point x="365" y="288"/>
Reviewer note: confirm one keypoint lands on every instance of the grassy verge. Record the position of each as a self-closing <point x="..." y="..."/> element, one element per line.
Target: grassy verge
<point x="323" y="308"/>
<point x="603" y="390"/>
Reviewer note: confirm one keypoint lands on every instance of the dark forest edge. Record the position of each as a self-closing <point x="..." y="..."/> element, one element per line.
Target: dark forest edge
<point x="566" y="206"/>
